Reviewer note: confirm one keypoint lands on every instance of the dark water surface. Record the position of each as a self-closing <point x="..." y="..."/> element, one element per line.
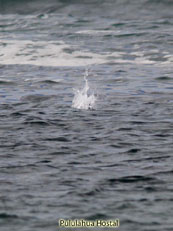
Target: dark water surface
<point x="115" y="161"/>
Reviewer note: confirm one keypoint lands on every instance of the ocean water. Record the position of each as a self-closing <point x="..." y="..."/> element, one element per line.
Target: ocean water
<point x="86" y="113"/>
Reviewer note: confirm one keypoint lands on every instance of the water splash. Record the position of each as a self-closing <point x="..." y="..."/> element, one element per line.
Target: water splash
<point x="84" y="98"/>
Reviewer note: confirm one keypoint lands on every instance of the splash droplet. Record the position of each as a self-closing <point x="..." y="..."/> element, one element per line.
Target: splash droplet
<point x="84" y="98"/>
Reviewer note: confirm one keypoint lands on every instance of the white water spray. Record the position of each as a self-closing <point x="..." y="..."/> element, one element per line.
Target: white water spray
<point x="83" y="99"/>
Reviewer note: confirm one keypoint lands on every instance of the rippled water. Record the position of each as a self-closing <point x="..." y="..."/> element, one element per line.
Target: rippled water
<point x="107" y="162"/>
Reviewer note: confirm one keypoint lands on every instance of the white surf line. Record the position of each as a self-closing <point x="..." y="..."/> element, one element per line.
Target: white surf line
<point x="52" y="53"/>
<point x="45" y="54"/>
